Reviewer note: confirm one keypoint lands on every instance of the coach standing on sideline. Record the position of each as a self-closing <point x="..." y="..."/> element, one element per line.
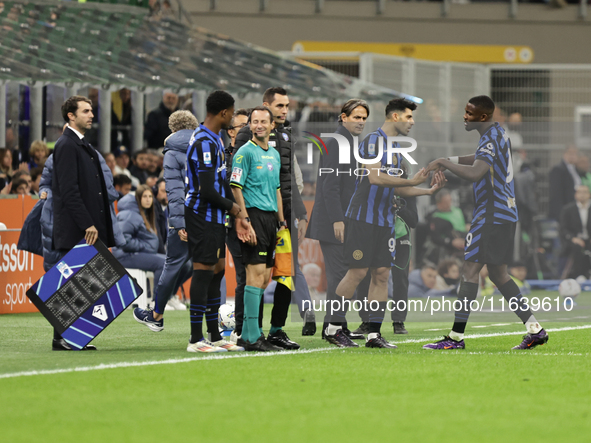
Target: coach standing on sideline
<point x="80" y="200"/>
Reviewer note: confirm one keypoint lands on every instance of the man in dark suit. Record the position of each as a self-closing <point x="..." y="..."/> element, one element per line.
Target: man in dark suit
<point x="80" y="200"/>
<point x="575" y="226"/>
<point x="563" y="180"/>
<point x="333" y="193"/>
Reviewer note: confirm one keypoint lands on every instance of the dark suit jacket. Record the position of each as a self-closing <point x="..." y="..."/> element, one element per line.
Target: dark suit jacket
<point x="562" y="190"/>
<point x="571" y="225"/>
<point x="333" y="193"/>
<point x="80" y="197"/>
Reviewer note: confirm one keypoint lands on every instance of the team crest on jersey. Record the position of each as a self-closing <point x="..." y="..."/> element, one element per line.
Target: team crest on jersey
<point x="371" y="149"/>
<point x="207" y="158"/>
<point x="285" y="136"/>
<point x="270" y="166"/>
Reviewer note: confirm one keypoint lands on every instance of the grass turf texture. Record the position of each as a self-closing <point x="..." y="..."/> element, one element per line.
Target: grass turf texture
<point x="484" y="393"/>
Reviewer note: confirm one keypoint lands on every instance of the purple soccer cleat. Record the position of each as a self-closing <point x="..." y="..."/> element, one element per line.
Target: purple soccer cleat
<point x="533" y="340"/>
<point x="446" y="343"/>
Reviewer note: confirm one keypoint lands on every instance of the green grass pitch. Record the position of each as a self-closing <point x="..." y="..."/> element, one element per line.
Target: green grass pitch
<point x="150" y="389"/>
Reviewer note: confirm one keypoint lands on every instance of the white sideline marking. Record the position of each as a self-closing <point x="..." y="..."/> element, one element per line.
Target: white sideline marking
<point x="269" y="354"/>
<point x="498" y="334"/>
<point x="171" y="361"/>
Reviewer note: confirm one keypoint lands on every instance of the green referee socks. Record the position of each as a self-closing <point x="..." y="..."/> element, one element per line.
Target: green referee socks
<point x="250" y="327"/>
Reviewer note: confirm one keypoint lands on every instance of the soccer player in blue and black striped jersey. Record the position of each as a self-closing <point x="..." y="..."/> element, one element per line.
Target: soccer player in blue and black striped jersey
<point x="207" y="202"/>
<point x="370" y="241"/>
<point x="491" y="236"/>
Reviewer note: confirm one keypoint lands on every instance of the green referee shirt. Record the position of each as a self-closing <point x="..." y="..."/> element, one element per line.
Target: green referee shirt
<point x="256" y="171"/>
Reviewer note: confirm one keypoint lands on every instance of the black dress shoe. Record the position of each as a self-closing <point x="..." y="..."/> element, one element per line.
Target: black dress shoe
<point x="281" y="339"/>
<point x="362" y="329"/>
<point x="261" y="345"/>
<point x="399" y="328"/>
<point x="63" y="345"/>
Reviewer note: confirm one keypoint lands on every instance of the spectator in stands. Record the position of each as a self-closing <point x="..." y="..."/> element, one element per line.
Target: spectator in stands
<point x="512" y="130"/>
<point x="137" y="220"/>
<point x="154" y="163"/>
<point x="524" y="180"/>
<point x="447" y="229"/>
<point x="120" y="136"/>
<point x="575" y="227"/>
<point x="448" y="274"/>
<point x="19" y="186"/>
<point x="139" y="168"/>
<point x="518" y="272"/>
<point x="38" y="154"/>
<point x="157" y="123"/>
<point x="122" y="160"/>
<point x="24" y="175"/>
<point x="122" y="185"/>
<point x="36" y="179"/>
<point x="111" y="163"/>
<point x="422" y="283"/>
<point x="563" y="180"/>
<point x="5" y="166"/>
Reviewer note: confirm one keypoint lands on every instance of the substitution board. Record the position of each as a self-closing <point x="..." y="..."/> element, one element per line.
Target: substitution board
<point x="84" y="292"/>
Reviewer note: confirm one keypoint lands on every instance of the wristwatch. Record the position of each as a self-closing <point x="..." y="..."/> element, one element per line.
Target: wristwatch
<point x="247" y="219"/>
<point x="283" y="224"/>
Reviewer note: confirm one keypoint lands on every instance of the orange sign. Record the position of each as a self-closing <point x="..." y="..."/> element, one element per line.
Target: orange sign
<point x="19" y="270"/>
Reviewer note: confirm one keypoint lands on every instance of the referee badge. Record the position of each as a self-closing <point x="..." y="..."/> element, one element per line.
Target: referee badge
<point x="270" y="166"/>
<point x="358" y="254"/>
<point x="285" y="136"/>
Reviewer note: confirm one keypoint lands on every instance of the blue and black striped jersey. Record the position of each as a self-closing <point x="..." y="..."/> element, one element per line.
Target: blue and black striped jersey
<point x="494" y="193"/>
<point x="205" y="152"/>
<point x="371" y="203"/>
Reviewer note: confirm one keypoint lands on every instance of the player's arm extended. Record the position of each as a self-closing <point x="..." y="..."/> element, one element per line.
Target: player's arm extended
<point x="439" y="182"/>
<point x="379" y="177"/>
<point x="471" y="173"/>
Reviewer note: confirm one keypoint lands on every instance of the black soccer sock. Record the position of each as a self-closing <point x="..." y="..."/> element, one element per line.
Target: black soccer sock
<point x="214" y="295"/>
<point x="56" y="335"/>
<point x="376" y="317"/>
<point x="468" y="292"/>
<point x="281" y="301"/>
<point x="199" y="287"/>
<point x="512" y="294"/>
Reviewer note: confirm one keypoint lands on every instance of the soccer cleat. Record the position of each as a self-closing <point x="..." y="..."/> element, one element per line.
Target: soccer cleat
<point x="261" y="345"/>
<point x="353" y="335"/>
<point x="309" y="327"/>
<point x="204" y="346"/>
<point x="281" y="340"/>
<point x="446" y="343"/>
<point x="341" y="340"/>
<point x="532" y="340"/>
<point x="146" y="317"/>
<point x="399" y="327"/>
<point x="234" y="337"/>
<point x="379" y="342"/>
<point x="230" y="347"/>
<point x="363" y="329"/>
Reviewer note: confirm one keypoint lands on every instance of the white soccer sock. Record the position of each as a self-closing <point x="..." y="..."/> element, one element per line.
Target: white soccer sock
<point x="372" y="335"/>
<point x="332" y="329"/>
<point x="532" y="326"/>
<point x="457" y="336"/>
